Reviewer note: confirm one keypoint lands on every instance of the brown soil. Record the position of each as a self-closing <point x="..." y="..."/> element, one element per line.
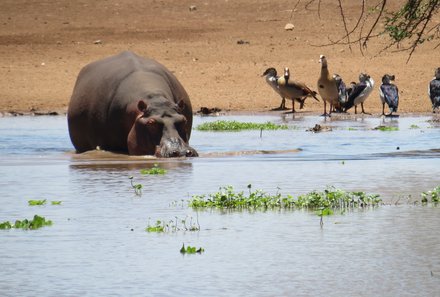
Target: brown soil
<point x="44" y="44"/>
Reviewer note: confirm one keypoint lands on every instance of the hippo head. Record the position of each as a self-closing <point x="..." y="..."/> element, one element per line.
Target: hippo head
<point x="160" y="129"/>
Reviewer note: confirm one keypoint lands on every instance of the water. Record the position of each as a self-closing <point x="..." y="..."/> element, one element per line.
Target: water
<point x="97" y="245"/>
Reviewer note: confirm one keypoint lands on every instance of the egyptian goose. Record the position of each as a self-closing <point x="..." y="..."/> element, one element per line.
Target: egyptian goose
<point x="389" y="94"/>
<point x="294" y="90"/>
<point x="434" y="90"/>
<point x="271" y="78"/>
<point x="360" y="93"/>
<point x="327" y="86"/>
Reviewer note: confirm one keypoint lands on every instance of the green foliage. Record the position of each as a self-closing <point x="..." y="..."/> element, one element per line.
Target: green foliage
<point x="36" y="202"/>
<point x="386" y="128"/>
<point x="156" y="170"/>
<point x="5" y="225"/>
<point x="56" y="202"/>
<point x="227" y="198"/>
<point x="238" y="126"/>
<point x="414" y="127"/>
<point x="172" y="226"/>
<point x="432" y="196"/>
<point x="191" y="250"/>
<point x="159" y="227"/>
<point x="324" y="212"/>
<point x="137" y="187"/>
<point x="410" y="19"/>
<point x="36" y="223"/>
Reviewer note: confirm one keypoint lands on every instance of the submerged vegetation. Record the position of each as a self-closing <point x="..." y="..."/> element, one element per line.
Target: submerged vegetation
<point x="36" y="223"/>
<point x="238" y="126"/>
<point x="330" y="198"/>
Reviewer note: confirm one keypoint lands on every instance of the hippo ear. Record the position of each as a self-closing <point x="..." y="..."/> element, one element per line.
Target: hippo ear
<point x="142" y="106"/>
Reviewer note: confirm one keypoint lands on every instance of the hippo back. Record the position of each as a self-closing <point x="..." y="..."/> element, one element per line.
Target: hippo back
<point x="98" y="112"/>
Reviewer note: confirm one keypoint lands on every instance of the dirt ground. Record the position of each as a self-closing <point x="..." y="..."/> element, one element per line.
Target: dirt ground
<point x="218" y="50"/>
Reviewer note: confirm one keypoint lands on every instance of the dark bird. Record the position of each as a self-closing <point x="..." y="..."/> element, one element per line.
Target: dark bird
<point x="359" y="93"/>
<point x="327" y="86"/>
<point x="434" y="90"/>
<point x="389" y="94"/>
<point x="271" y="78"/>
<point x="294" y="90"/>
<point x="342" y="91"/>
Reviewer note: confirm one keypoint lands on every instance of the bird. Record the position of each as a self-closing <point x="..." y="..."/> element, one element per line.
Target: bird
<point x="359" y="93"/>
<point x="327" y="86"/>
<point x="271" y="77"/>
<point x="342" y="91"/>
<point x="294" y="90"/>
<point x="389" y="94"/>
<point x="434" y="90"/>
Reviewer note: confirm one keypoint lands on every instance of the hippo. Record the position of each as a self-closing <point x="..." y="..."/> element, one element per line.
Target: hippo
<point x="130" y="104"/>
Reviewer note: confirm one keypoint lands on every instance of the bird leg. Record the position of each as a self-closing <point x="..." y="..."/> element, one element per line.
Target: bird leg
<point x="325" y="109"/>
<point x="293" y="106"/>
<point x="355" y="109"/>
<point x="383" y="109"/>
<point x="363" y="111"/>
<point x="283" y="103"/>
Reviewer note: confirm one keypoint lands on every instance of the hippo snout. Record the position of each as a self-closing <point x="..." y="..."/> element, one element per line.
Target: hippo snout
<point x="174" y="148"/>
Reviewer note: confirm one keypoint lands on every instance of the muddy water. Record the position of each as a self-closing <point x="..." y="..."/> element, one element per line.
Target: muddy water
<point x="97" y="245"/>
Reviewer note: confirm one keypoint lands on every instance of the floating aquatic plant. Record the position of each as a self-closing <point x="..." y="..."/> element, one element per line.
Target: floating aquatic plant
<point x="413" y="126"/>
<point x="237" y="126"/>
<point x="35" y="223"/>
<point x="386" y="128"/>
<point x="191" y="250"/>
<point x="227" y="198"/>
<point x="36" y="202"/>
<point x="42" y="202"/>
<point x="158" y="227"/>
<point x="156" y="170"/>
<point x="172" y="226"/>
<point x="432" y="196"/>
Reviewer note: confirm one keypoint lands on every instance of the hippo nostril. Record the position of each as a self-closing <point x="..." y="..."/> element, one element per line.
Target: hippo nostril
<point x="174" y="154"/>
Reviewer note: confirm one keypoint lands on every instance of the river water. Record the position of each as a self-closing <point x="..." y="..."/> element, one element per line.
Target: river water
<point x="98" y="245"/>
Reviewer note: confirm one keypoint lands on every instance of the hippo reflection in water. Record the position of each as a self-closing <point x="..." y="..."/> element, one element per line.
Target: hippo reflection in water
<point x="131" y="104"/>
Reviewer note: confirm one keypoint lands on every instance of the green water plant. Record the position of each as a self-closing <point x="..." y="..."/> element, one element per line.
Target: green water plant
<point x="432" y="196"/>
<point x="156" y="170"/>
<point x="36" y="223"/>
<point x="386" y="128"/>
<point x="36" y="202"/>
<point x="56" y="202"/>
<point x="238" y="126"/>
<point x="413" y="126"/>
<point x="191" y="250"/>
<point x="137" y="187"/>
<point x="228" y="198"/>
<point x="162" y="226"/>
<point x="159" y="227"/>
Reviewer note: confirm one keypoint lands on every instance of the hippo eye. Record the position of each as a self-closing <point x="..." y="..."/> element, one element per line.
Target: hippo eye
<point x="154" y="126"/>
<point x="181" y="128"/>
